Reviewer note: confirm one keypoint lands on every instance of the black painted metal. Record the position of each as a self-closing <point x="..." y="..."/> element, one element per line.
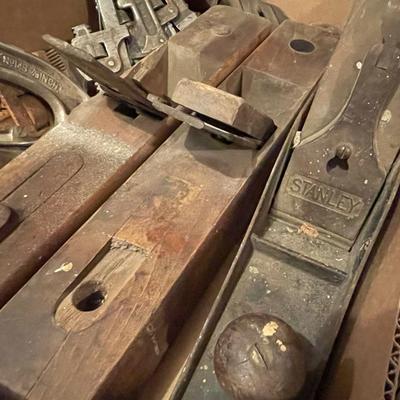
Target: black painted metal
<point x="302" y="255"/>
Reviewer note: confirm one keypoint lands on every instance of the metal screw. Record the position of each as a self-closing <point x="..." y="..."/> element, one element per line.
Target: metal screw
<point x="343" y="152"/>
<point x="111" y="63"/>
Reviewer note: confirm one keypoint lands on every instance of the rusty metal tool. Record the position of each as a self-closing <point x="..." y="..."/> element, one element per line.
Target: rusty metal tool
<point x="153" y="22"/>
<point x="131" y="29"/>
<point x="109" y="44"/>
<point x="122" y="89"/>
<point x="110" y="300"/>
<point x="273" y="325"/>
<point x="26" y="118"/>
<point x="18" y="113"/>
<point x="40" y="78"/>
<point x="35" y="96"/>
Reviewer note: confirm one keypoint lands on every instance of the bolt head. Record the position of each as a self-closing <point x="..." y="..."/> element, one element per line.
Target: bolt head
<point x="343" y="151"/>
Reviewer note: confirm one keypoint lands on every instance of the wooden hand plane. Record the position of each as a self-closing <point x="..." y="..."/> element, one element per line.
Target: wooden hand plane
<point x="96" y="319"/>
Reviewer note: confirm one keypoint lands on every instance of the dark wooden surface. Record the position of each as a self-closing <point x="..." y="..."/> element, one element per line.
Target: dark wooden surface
<point x="165" y="233"/>
<point x="54" y="186"/>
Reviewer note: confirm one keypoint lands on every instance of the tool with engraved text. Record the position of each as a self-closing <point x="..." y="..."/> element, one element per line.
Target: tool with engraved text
<point x="271" y="329"/>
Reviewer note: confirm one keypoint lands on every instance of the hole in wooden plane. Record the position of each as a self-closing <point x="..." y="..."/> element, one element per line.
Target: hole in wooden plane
<point x="302" y="46"/>
<point x="89" y="296"/>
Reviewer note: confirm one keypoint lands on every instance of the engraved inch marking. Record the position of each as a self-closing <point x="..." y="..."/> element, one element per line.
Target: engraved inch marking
<point x="12" y="62"/>
<point x="325" y="196"/>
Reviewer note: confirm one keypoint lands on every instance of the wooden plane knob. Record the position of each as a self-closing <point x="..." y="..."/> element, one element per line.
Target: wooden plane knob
<point x="260" y="357"/>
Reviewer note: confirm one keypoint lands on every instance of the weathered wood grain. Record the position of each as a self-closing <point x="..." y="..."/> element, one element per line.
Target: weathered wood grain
<point x="168" y="229"/>
<point x="54" y="186"/>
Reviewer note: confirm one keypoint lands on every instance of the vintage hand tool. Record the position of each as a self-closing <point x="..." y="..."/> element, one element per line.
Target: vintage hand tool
<point x="272" y="327"/>
<point x="23" y="117"/>
<point x="153" y="22"/>
<point x="55" y="185"/>
<point x="109" y="44"/>
<point x="200" y="105"/>
<point x="40" y="78"/>
<point x="121" y="89"/>
<point x="238" y="128"/>
<point x="81" y="159"/>
<point x="131" y="29"/>
<point x="30" y="72"/>
<point x="35" y="96"/>
<point x="110" y="300"/>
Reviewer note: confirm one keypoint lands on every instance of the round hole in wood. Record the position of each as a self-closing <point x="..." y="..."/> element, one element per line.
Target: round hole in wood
<point x="89" y="296"/>
<point x="302" y="46"/>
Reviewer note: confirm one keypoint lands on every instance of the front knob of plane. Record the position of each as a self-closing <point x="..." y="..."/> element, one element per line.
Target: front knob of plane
<point x="260" y="357"/>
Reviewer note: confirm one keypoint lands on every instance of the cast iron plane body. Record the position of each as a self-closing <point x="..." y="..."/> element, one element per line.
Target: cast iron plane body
<point x="313" y="230"/>
<point x="96" y="319"/>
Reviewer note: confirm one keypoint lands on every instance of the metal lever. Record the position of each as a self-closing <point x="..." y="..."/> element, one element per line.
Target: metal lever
<point x="123" y="89"/>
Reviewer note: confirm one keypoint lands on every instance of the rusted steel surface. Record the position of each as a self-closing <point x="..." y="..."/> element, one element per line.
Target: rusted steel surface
<point x="364" y="363"/>
<point x="35" y="96"/>
<point x="53" y="187"/>
<point x="10" y="101"/>
<point x="42" y="79"/>
<point x="114" y="305"/>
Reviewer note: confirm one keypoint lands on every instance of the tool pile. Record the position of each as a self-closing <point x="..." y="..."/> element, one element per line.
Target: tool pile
<point x="202" y="128"/>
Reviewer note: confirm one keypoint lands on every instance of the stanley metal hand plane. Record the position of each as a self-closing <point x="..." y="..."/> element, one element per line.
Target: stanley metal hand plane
<point x="272" y="327"/>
